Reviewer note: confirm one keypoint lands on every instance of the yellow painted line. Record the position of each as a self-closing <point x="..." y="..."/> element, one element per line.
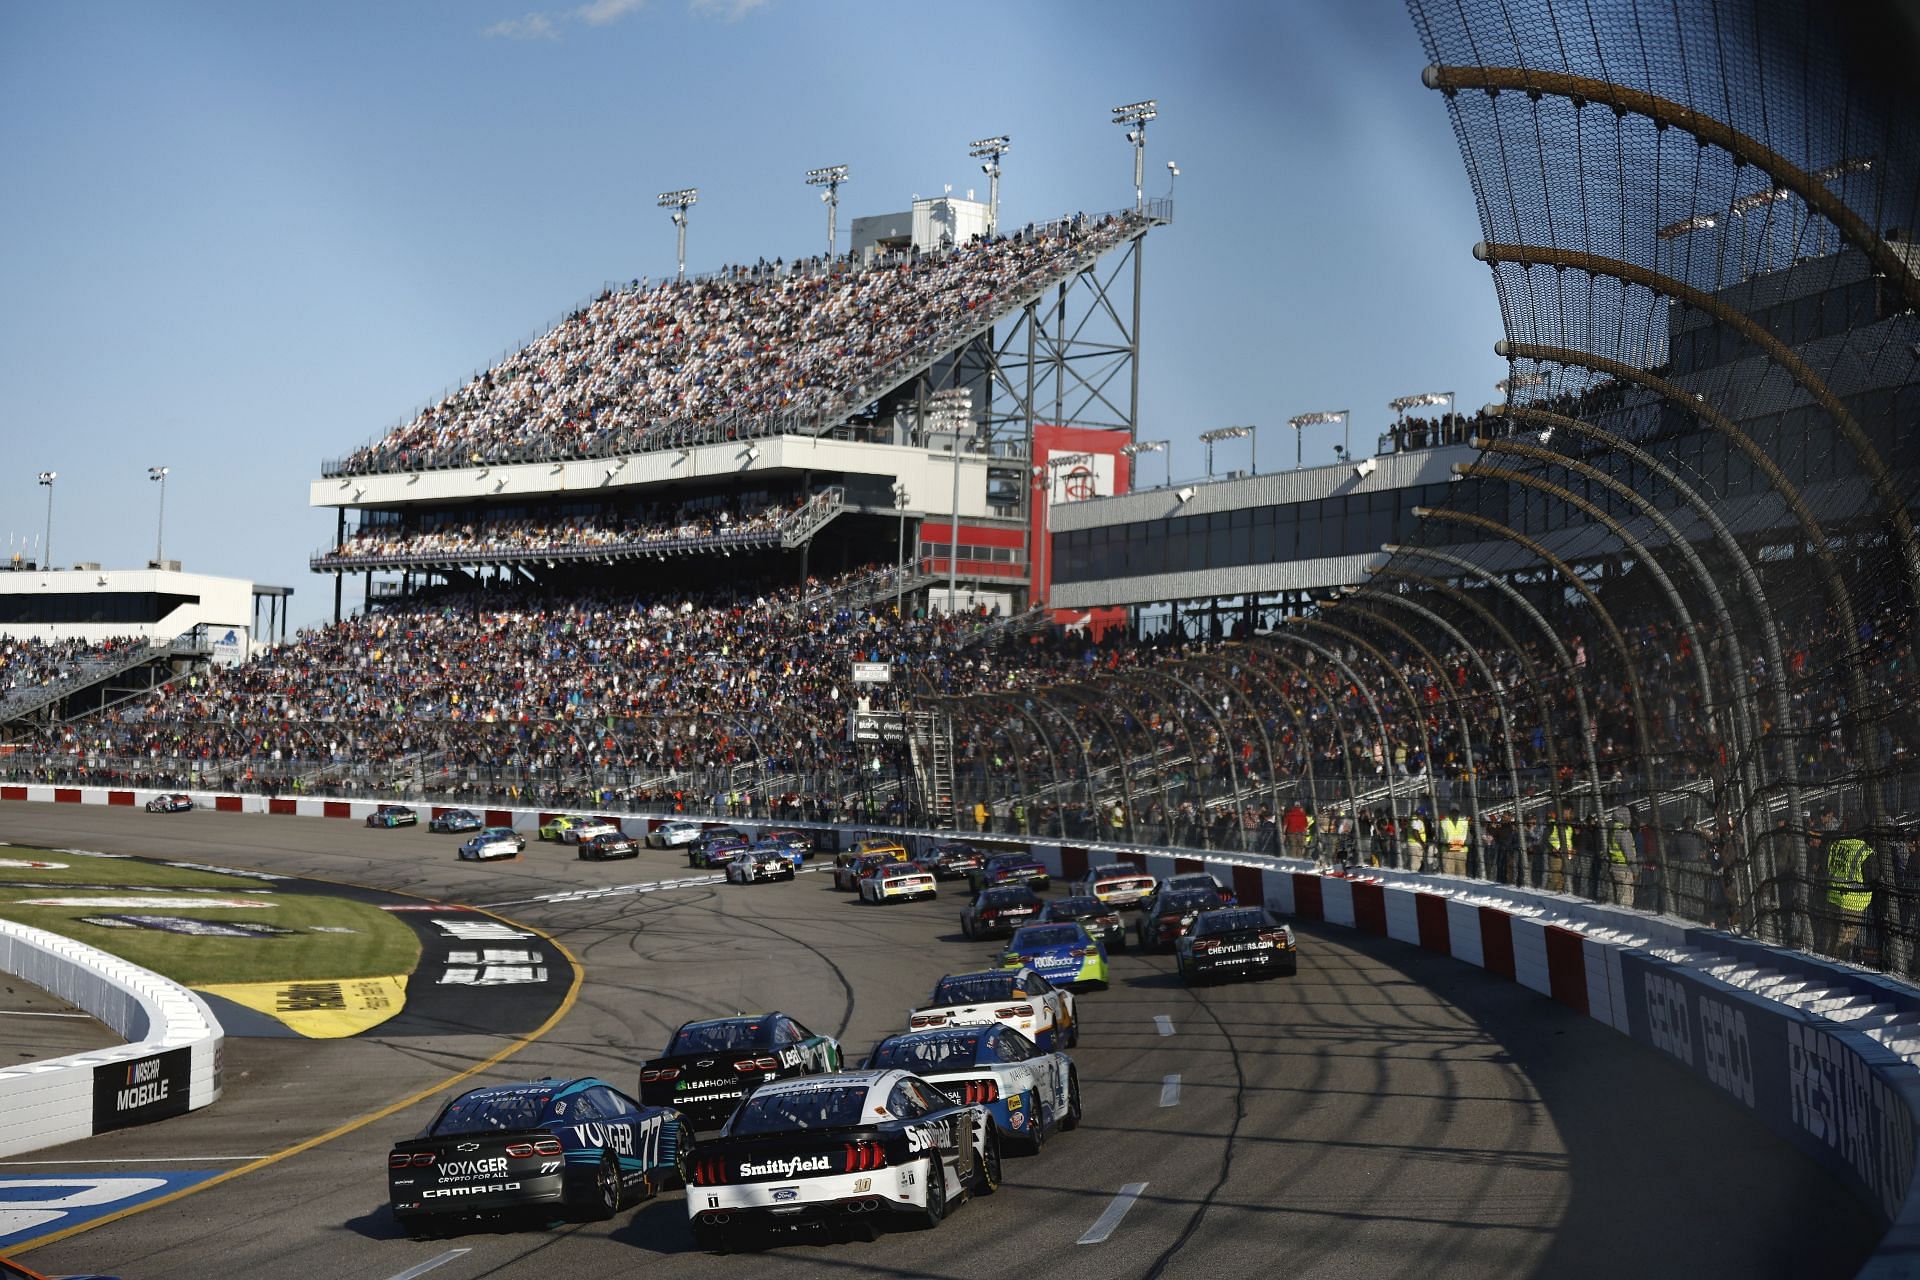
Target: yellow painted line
<point x="566" y="1006"/>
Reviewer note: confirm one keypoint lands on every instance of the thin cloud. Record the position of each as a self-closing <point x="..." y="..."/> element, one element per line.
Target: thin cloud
<point x="726" y="10"/>
<point x="533" y="26"/>
<point x="598" y="13"/>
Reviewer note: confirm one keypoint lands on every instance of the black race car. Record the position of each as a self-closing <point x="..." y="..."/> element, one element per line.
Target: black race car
<point x="1199" y="880"/>
<point x="950" y="860"/>
<point x="608" y="844"/>
<point x="710" y="1065"/>
<point x="393" y="815"/>
<point x="1009" y="868"/>
<point x="454" y="821"/>
<point x="996" y="913"/>
<point x="577" y="1146"/>
<point x="1169" y="916"/>
<point x="1236" y="942"/>
<point x="1096" y="917"/>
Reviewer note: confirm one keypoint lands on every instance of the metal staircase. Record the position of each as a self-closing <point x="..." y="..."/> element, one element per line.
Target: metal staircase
<point x="818" y="512"/>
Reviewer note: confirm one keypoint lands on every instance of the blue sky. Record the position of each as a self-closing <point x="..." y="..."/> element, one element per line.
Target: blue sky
<point x="242" y="237"/>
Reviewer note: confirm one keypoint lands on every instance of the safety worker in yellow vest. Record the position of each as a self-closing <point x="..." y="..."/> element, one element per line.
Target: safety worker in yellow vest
<point x="1417" y="841"/>
<point x="1559" y="849"/>
<point x="1622" y="859"/>
<point x="1453" y="843"/>
<point x="1118" y="820"/>
<point x="980" y="816"/>
<point x="1851" y="873"/>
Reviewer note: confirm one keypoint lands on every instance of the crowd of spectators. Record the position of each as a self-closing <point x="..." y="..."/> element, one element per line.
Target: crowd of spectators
<point x="730" y="355"/>
<point x="30" y="664"/>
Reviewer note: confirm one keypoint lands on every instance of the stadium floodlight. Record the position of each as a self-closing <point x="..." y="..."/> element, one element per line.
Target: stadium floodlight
<point x="46" y="544"/>
<point x="990" y="150"/>
<point x="1231" y="433"/>
<point x="160" y="474"/>
<point x="1517" y="382"/>
<point x="680" y="201"/>
<point x="1185" y="495"/>
<point x="1135" y="115"/>
<point x="1173" y="171"/>
<point x="1421" y="400"/>
<point x="1300" y="421"/>
<point x="1756" y="200"/>
<point x="1162" y="447"/>
<point x="830" y="177"/>
<point x="1364" y="468"/>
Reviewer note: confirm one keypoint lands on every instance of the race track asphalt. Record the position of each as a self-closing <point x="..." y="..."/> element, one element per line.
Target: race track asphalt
<point x="1385" y="1113"/>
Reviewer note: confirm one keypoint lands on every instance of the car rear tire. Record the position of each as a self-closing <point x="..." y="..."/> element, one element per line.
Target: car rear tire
<point x="935" y="1211"/>
<point x="1071" y="1120"/>
<point x="966" y="928"/>
<point x="599" y="1197"/>
<point x="986" y="1168"/>
<point x="1035" y="1138"/>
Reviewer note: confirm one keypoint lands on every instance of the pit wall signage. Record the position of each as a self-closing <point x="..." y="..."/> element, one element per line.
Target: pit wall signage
<point x="141" y="1090"/>
<point x="1826" y="1091"/>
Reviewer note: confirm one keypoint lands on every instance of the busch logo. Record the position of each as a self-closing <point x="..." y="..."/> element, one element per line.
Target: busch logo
<point x="785" y="1168"/>
<point x="1723" y="1041"/>
<point x="1842" y="1105"/>
<point x="1667" y="1022"/>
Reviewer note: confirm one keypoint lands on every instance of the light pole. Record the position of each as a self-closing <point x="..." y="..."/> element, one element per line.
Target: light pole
<point x="1299" y="421"/>
<point x="46" y="544"/>
<point x="900" y="496"/>
<point x="680" y="201"/>
<point x="952" y="412"/>
<point x="1136" y="115"/>
<point x="1231" y="433"/>
<point x="990" y="150"/>
<point x="1421" y="400"/>
<point x="1139" y="447"/>
<point x="160" y="531"/>
<point x="830" y="177"/>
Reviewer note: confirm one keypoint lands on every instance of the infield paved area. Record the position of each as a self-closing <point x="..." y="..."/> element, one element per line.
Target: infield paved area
<point x="1386" y="1113"/>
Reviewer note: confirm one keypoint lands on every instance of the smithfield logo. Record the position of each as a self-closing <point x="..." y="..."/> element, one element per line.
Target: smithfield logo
<point x="785" y="1168"/>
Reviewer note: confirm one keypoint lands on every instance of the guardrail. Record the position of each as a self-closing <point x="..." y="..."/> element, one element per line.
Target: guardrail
<point x="170" y="1065"/>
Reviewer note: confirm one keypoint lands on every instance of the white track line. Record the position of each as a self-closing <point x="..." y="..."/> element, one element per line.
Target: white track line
<point x="430" y="1264"/>
<point x="1169" y="1091"/>
<point x="29" y="1013"/>
<point x="1108" y="1221"/>
<point x="1163" y="1024"/>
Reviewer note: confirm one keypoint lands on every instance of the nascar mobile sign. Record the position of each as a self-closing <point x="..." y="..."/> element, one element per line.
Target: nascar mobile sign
<point x="140" y="1090"/>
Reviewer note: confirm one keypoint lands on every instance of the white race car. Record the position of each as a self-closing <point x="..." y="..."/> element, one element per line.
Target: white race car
<point x="750" y="866"/>
<point x="1117" y="884"/>
<point x="492" y="843"/>
<point x="1030" y="1093"/>
<point x="1021" y="998"/>
<point x="898" y="882"/>
<point x="844" y="1152"/>
<point x="675" y="835"/>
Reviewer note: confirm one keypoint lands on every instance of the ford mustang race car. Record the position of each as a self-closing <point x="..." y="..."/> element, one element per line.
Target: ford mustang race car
<point x="780" y="848"/>
<point x="602" y="845"/>
<point x="950" y="860"/>
<point x="1169" y="916"/>
<point x="494" y="842"/>
<point x="897" y="882"/>
<point x="1118" y="884"/>
<point x="750" y="866"/>
<point x="798" y="841"/>
<point x="716" y="850"/>
<point x="454" y="821"/>
<point x="1021" y="998"/>
<point x="1029" y="1093"/>
<point x="579" y="1146"/>
<point x="996" y="912"/>
<point x="839" y="1155"/>
<point x="393" y="815"/>
<point x="1093" y="915"/>
<point x="1240" y="941"/>
<point x="847" y="875"/>
<point x="878" y="844"/>
<point x="572" y="829"/>
<point x="675" y="835"/>
<point x="1009" y="868"/>
<point x="1199" y="880"/>
<point x="1065" y="954"/>
<point x="709" y="1066"/>
<point x="178" y="802"/>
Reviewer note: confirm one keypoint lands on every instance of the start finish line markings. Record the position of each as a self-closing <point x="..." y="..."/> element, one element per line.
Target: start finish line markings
<point x="1163" y="1024"/>
<point x="1107" y="1222"/>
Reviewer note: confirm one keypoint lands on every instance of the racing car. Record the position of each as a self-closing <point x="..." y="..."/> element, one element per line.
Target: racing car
<point x="454" y="821"/>
<point x="572" y="829"/>
<point x="1199" y="880"/>
<point x="1065" y="954"/>
<point x="998" y="912"/>
<point x="1117" y="884"/>
<point x="1029" y="1093"/>
<point x="393" y="815"/>
<point x="675" y="835"/>
<point x="750" y="866"/>
<point x="877" y="844"/>
<point x="1095" y="916"/>
<point x="492" y="843"/>
<point x="1236" y="942"/>
<point x="579" y="1146"/>
<point x="897" y="882"/>
<point x="716" y="850"/>
<point x="1169" y="916"/>
<point x="798" y="841"/>
<point x="848" y="875"/>
<point x="710" y="1065"/>
<point x="602" y="845"/>
<point x="1009" y="868"/>
<point x="840" y="1154"/>
<point x="177" y="802"/>
<point x="1020" y="998"/>
<point x="950" y="860"/>
<point x="780" y="848"/>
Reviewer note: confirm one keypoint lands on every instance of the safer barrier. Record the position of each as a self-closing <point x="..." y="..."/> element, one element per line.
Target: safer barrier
<point x="1822" y="1054"/>
<point x="170" y="1065"/>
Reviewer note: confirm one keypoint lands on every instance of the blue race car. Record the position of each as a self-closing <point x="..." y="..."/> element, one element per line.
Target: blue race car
<point x="577" y="1146"/>
<point x="1064" y="954"/>
<point x="393" y="815"/>
<point x="1031" y="1093"/>
<point x="455" y="821"/>
<point x="781" y="848"/>
<point x="715" y="850"/>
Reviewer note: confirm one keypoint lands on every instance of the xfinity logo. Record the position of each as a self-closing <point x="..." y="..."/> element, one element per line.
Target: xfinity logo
<point x="785" y="1168"/>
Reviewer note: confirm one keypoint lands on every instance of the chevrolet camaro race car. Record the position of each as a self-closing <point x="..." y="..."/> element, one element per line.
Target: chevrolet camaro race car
<point x="1236" y="942"/>
<point x="1031" y="1094"/>
<point x="579" y="1146"/>
<point x="1020" y="998"/>
<point x="751" y="866"/>
<point x="847" y="875"/>
<point x="1199" y="880"/>
<point x="675" y="835"/>
<point x="709" y="1066"/>
<point x="571" y="829"/>
<point x="798" y="841"/>
<point x="781" y="848"/>
<point x="1170" y="916"/>
<point x="1007" y="869"/>
<point x="1065" y="954"/>
<point x="841" y="1155"/>
<point x="950" y="860"/>
<point x="1118" y="884"/>
<point x="603" y="845"/>
<point x="996" y="912"/>
<point x="897" y="882"/>
<point x="178" y="802"/>
<point x="1091" y="914"/>
<point x="492" y="843"/>
<point x="454" y="821"/>
<point x="393" y="815"/>
<point x="716" y="850"/>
